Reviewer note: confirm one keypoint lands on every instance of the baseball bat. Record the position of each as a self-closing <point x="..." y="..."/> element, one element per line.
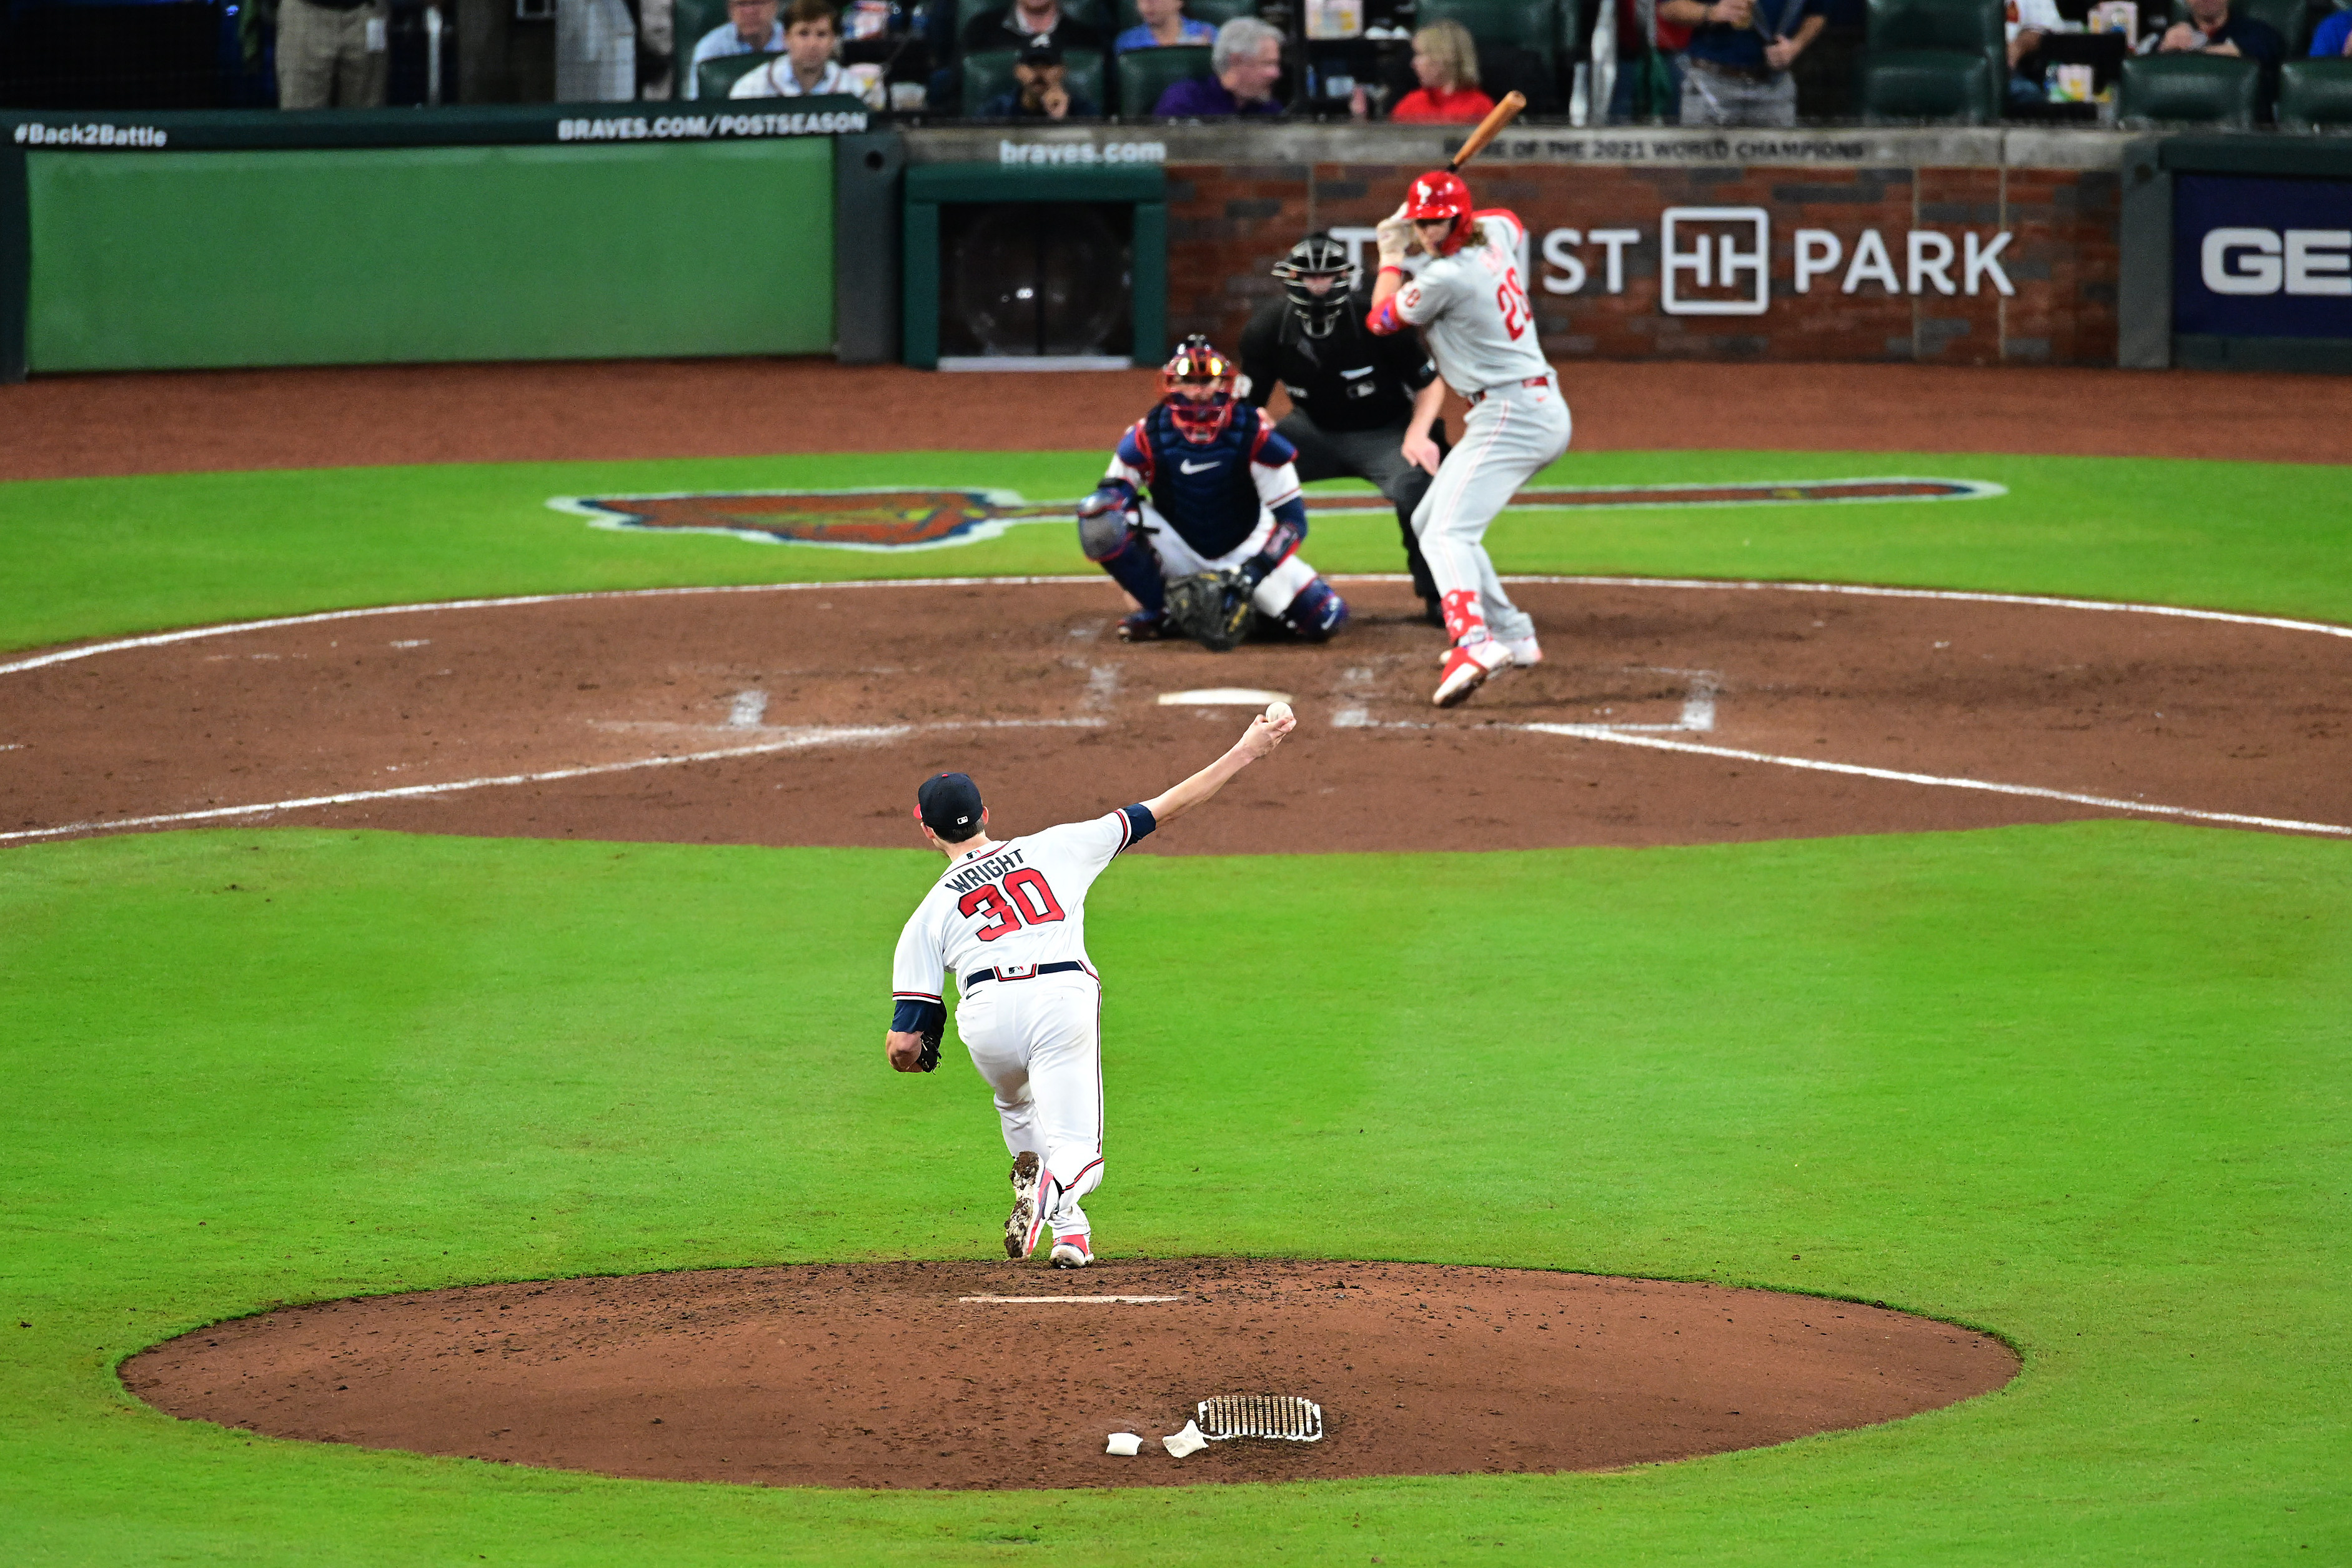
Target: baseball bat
<point x="1499" y="116"/>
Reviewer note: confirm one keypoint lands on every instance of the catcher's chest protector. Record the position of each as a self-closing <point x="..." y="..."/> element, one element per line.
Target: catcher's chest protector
<point x="1206" y="494"/>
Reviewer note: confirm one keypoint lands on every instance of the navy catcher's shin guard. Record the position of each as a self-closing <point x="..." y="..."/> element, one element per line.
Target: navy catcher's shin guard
<point x="1317" y="612"/>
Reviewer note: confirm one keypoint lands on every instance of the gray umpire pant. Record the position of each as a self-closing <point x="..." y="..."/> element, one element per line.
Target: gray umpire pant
<point x="1375" y="456"/>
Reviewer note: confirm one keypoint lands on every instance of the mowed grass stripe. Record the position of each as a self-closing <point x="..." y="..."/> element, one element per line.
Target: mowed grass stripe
<point x="108" y="556"/>
<point x="2083" y="1085"/>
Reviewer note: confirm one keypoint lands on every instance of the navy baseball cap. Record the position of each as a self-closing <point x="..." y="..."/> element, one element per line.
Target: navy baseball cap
<point x="948" y="805"/>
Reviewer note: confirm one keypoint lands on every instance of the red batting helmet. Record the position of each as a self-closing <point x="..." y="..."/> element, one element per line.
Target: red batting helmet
<point x="1441" y="193"/>
<point x="1200" y="418"/>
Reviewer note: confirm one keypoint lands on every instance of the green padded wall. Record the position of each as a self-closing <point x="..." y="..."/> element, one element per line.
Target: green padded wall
<point x="170" y="259"/>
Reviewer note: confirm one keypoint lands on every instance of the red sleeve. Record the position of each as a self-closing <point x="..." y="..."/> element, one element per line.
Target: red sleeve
<point x="1383" y="321"/>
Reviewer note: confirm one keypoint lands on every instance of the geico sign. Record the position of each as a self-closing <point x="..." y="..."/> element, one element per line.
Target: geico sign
<point x="1728" y="250"/>
<point x="2266" y="261"/>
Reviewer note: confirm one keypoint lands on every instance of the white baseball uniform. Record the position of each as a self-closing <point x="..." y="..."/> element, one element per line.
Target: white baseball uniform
<point x="1010" y="924"/>
<point x="1472" y="307"/>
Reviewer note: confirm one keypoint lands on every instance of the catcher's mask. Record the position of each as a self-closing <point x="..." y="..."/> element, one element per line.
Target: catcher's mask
<point x="1442" y="194"/>
<point x="1197" y="385"/>
<point x="1318" y="277"/>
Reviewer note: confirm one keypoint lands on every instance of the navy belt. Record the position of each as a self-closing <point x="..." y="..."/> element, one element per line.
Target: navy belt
<point x="1019" y="972"/>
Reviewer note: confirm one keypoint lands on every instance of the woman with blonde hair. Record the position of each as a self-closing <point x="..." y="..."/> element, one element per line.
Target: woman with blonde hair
<point x="1446" y="60"/>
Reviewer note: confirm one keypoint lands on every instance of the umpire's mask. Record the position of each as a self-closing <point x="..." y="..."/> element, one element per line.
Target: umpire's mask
<point x="1318" y="277"/>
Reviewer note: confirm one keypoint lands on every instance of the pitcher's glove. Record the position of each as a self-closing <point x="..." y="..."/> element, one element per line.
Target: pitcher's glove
<point x="929" y="1058"/>
<point x="1213" y="608"/>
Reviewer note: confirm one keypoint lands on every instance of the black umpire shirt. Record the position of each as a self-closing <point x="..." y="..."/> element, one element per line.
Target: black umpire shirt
<point x="1348" y="381"/>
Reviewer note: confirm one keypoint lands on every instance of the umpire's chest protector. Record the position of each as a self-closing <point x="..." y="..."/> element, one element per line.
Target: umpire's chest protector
<point x="1207" y="493"/>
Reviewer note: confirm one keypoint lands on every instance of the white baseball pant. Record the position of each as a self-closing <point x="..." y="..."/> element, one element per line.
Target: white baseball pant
<point x="1178" y="559"/>
<point x="1038" y="1042"/>
<point x="1508" y="436"/>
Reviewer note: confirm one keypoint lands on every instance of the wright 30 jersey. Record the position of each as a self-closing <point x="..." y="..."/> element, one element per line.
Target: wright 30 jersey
<point x="1020" y="906"/>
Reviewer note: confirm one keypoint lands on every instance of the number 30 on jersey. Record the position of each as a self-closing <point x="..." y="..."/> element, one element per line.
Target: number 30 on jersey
<point x="1023" y="896"/>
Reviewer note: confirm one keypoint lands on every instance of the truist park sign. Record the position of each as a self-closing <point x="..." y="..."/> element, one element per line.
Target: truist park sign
<point x="1719" y="261"/>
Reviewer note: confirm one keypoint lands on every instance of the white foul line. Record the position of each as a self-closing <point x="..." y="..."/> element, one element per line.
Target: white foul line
<point x="1618" y="737"/>
<point x="820" y="735"/>
<point x="1034" y="1300"/>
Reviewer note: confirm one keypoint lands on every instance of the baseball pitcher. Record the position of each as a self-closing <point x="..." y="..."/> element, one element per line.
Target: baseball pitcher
<point x="1472" y="309"/>
<point x="1218" y="541"/>
<point x="1009" y="919"/>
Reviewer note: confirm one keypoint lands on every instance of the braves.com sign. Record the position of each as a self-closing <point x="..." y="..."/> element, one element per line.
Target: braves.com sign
<point x="1719" y="261"/>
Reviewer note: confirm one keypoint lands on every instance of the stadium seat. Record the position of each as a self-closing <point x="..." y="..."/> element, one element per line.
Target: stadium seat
<point x="1531" y="24"/>
<point x="987" y="74"/>
<point x="1971" y="26"/>
<point x="1216" y="13"/>
<point x="692" y="19"/>
<point x="2315" y="95"/>
<point x="1090" y="12"/>
<point x="2218" y="91"/>
<point x="1947" y="86"/>
<point x="1145" y="74"/>
<point x="717" y="78"/>
<point x="2287" y="17"/>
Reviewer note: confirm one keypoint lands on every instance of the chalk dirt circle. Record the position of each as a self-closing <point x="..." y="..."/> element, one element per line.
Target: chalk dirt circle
<point x="886" y="1375"/>
<point x="806" y="715"/>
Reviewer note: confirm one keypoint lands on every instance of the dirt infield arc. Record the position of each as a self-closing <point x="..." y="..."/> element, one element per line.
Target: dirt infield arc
<point x="957" y="1374"/>
<point x="1665" y="712"/>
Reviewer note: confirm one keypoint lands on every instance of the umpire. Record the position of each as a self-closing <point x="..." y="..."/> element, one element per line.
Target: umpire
<point x="1361" y="405"/>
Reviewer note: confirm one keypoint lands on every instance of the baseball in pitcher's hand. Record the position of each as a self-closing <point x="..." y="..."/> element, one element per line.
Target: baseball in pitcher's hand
<point x="1264" y="734"/>
<point x="1422" y="453"/>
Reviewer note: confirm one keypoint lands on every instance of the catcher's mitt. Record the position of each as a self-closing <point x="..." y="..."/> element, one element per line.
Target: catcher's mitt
<point x="929" y="1058"/>
<point x="1213" y="608"/>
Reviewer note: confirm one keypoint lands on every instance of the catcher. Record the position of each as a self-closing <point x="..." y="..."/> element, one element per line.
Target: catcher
<point x="1217" y="543"/>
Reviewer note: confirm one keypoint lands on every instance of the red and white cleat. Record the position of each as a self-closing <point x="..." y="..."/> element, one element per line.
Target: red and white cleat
<point x="1467" y="668"/>
<point x="1070" y="1252"/>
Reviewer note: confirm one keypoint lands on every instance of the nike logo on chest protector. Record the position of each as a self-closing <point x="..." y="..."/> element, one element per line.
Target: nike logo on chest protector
<point x="1191" y="467"/>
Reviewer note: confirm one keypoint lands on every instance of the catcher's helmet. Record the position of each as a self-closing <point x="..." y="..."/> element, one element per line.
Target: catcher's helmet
<point x="1442" y="194"/>
<point x="1199" y="416"/>
<point x="1318" y="258"/>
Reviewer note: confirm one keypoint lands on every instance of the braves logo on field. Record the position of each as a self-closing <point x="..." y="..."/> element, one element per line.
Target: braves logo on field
<point x="936" y="518"/>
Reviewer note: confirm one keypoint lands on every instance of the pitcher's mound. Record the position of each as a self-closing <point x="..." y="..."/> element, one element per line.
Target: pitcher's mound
<point x="942" y="1375"/>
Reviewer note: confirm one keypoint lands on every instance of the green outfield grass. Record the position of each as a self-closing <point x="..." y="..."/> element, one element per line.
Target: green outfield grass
<point x="2081" y="1085"/>
<point x="90" y="557"/>
<point x="2086" y="1087"/>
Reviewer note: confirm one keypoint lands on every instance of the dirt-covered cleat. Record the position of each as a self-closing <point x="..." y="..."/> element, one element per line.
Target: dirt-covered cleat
<point x="1526" y="653"/>
<point x="1143" y="626"/>
<point x="1070" y="1252"/>
<point x="1468" y="667"/>
<point x="1021" y="1225"/>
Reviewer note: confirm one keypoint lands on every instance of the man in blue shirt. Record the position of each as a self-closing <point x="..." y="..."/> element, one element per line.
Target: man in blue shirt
<point x="2334" y="36"/>
<point x="1738" y="59"/>
<point x="752" y="28"/>
<point x="1247" y="60"/>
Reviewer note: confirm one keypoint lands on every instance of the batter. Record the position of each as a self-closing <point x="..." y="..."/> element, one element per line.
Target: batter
<point x="1010" y="920"/>
<point x="1472" y="307"/>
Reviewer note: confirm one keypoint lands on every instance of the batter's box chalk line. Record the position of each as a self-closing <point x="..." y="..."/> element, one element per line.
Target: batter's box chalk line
<point x="822" y="735"/>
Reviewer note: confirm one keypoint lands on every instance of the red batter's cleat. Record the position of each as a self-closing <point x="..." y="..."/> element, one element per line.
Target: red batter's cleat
<point x="1021" y="1225"/>
<point x="1467" y="668"/>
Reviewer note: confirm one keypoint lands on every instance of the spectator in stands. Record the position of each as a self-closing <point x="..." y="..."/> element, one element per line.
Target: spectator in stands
<point x="806" y="68"/>
<point x="751" y="28"/>
<point x="1026" y="22"/>
<point x="1244" y="65"/>
<point x="1733" y="74"/>
<point x="1164" y="25"/>
<point x="2334" y="36"/>
<point x="1446" y="59"/>
<point x="1042" y="90"/>
<point x="330" y="54"/>
<point x="2029" y="21"/>
<point x="2213" y="28"/>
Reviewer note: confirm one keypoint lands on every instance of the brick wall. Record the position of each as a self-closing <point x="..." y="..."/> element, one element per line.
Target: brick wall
<point x="1228" y="224"/>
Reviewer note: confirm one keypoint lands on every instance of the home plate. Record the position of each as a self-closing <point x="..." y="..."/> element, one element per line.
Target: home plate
<point x="1222" y="697"/>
